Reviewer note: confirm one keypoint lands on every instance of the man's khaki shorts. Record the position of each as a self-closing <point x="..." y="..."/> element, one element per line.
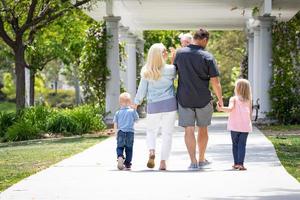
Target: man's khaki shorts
<point x="200" y="116"/>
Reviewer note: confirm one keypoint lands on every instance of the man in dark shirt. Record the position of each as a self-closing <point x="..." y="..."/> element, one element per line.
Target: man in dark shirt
<point x="196" y="69"/>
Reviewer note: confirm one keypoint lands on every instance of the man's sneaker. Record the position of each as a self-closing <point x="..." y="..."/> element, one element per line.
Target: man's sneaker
<point x="120" y="163"/>
<point x="203" y="163"/>
<point x="193" y="166"/>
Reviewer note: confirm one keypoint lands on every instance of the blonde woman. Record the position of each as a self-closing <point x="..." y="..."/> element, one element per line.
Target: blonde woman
<point x="157" y="85"/>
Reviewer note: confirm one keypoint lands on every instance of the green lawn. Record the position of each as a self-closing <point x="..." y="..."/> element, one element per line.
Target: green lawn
<point x="7" y="107"/>
<point x="18" y="162"/>
<point x="288" y="151"/>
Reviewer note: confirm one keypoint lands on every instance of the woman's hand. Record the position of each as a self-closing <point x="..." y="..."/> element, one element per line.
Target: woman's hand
<point x="134" y="106"/>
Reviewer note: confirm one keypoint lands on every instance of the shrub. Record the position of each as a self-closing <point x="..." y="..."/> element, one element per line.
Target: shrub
<point x="21" y="130"/>
<point x="285" y="83"/>
<point x="61" y="122"/>
<point x="6" y="120"/>
<point x="87" y="118"/>
<point x="37" y="116"/>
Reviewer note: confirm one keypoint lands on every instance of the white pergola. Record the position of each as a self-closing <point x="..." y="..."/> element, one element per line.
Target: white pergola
<point x="127" y="19"/>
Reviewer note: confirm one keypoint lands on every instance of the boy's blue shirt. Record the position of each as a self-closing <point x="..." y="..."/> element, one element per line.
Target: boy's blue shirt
<point x="125" y="118"/>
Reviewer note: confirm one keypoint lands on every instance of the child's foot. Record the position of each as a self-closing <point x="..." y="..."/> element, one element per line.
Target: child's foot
<point x="235" y="166"/>
<point x="120" y="163"/>
<point x="162" y="165"/>
<point x="151" y="162"/>
<point x="242" y="168"/>
<point x="128" y="167"/>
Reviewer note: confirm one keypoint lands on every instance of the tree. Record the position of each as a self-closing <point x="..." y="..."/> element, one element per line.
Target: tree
<point x="63" y="40"/>
<point x="19" y="23"/>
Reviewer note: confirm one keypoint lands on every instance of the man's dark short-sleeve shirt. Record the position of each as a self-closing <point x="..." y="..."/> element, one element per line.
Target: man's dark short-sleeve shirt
<point x="195" y="68"/>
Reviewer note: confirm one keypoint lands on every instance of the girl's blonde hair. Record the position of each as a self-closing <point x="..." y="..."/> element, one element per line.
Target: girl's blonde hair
<point x="243" y="89"/>
<point x="155" y="62"/>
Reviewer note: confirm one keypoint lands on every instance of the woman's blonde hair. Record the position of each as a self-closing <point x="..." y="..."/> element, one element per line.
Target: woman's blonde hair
<point x="155" y="62"/>
<point x="243" y="89"/>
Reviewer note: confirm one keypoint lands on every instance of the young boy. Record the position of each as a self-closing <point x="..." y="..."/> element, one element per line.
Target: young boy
<point x="123" y="124"/>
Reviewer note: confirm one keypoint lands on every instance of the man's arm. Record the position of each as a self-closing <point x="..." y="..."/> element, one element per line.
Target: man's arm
<point x="215" y="83"/>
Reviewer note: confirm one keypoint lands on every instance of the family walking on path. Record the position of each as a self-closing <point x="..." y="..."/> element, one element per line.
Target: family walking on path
<point x="196" y="69"/>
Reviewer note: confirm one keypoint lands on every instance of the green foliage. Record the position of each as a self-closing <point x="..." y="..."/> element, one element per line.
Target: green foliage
<point x="37" y="116"/>
<point x="61" y="122"/>
<point x="285" y="83"/>
<point x="228" y="48"/>
<point x="6" y="120"/>
<point x="59" y="98"/>
<point x="93" y="69"/>
<point x="168" y="38"/>
<point x="9" y="88"/>
<point x="32" y="122"/>
<point x="22" y="130"/>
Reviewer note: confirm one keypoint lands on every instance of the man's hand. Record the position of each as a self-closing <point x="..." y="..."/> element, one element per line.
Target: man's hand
<point x="215" y="83"/>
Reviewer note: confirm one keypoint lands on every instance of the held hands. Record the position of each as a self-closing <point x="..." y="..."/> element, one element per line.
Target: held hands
<point x="220" y="105"/>
<point x="134" y="106"/>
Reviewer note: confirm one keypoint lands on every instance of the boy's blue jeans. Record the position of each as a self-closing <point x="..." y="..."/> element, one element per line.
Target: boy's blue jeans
<point x="239" y="140"/>
<point x="125" y="142"/>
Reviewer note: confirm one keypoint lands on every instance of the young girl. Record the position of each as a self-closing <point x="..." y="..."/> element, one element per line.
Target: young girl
<point x="239" y="121"/>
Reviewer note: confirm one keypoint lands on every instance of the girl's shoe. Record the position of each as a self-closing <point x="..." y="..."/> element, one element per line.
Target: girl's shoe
<point x="151" y="162"/>
<point x="242" y="168"/>
<point x="120" y="163"/>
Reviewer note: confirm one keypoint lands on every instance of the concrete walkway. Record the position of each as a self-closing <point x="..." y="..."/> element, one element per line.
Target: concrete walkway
<point x="92" y="174"/>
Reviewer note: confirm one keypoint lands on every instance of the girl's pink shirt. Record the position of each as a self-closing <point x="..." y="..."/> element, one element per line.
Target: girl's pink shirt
<point x="239" y="118"/>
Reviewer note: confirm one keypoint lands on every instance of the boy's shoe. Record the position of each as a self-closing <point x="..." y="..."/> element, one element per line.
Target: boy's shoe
<point x="235" y="166"/>
<point x="242" y="168"/>
<point x="193" y="166"/>
<point x="151" y="162"/>
<point x="120" y="163"/>
<point x="127" y="166"/>
<point x="203" y="163"/>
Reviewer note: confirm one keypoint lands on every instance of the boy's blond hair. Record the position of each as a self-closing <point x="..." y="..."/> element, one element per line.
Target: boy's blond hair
<point x="243" y="89"/>
<point x="125" y="98"/>
<point x="155" y="61"/>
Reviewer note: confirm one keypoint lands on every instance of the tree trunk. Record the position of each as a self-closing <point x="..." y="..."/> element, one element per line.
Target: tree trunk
<point x="32" y="83"/>
<point x="20" y="65"/>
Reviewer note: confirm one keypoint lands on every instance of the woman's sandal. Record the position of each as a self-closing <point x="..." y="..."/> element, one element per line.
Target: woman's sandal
<point x="151" y="162"/>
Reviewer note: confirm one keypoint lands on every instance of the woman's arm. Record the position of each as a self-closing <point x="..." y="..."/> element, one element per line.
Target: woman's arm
<point x="229" y="108"/>
<point x="142" y="91"/>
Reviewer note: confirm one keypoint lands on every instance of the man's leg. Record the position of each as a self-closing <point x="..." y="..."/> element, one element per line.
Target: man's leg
<point x="190" y="142"/>
<point x="202" y="142"/>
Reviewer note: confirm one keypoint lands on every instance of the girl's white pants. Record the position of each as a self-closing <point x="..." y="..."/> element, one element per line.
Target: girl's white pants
<point x="165" y="121"/>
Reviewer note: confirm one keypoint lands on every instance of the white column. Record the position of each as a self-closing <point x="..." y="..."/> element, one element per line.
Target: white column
<point x="131" y="64"/>
<point x="250" y="56"/>
<point x="113" y="82"/>
<point x="140" y="47"/>
<point x="27" y="87"/>
<point x="265" y="65"/>
<point x="122" y="36"/>
<point x="256" y="57"/>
